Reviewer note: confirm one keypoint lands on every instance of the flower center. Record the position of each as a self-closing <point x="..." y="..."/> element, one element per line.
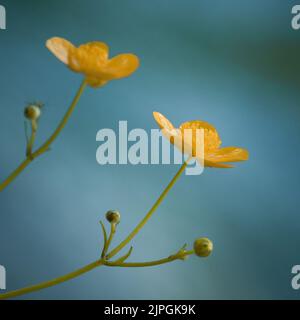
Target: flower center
<point x="211" y="137"/>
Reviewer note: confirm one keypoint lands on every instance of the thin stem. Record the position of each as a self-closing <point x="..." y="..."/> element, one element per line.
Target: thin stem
<point x="125" y="257"/>
<point x="104" y="240"/>
<point x="149" y="214"/>
<point x="53" y="282"/>
<point x="149" y="263"/>
<point x="89" y="267"/>
<point x="111" y="236"/>
<point x="46" y="145"/>
<point x="14" y="174"/>
<point x="31" y="139"/>
<point x="63" y="122"/>
<point x="26" y="132"/>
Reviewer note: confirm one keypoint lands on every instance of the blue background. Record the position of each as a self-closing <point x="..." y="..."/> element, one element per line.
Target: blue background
<point x="232" y="63"/>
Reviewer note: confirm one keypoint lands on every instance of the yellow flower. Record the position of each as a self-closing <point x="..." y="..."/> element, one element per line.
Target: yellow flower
<point x="214" y="156"/>
<point x="92" y="60"/>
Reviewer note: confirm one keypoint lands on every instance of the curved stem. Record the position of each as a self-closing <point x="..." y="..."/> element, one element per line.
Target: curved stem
<point x="53" y="282"/>
<point x="149" y="263"/>
<point x="149" y="214"/>
<point x="104" y="239"/>
<point x="46" y="145"/>
<point x="89" y="267"/>
<point x="110" y="238"/>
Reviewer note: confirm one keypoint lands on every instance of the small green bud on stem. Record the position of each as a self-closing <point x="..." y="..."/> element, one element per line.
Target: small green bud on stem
<point x="32" y="112"/>
<point x="203" y="247"/>
<point x="113" y="216"/>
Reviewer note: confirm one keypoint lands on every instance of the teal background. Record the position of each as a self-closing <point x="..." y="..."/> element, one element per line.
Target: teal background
<point x="235" y="64"/>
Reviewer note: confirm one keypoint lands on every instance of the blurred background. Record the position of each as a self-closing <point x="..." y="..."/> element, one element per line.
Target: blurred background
<point x="232" y="63"/>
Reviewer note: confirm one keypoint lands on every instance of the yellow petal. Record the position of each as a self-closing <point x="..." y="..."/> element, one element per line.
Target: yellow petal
<point x="197" y="124"/>
<point x="168" y="130"/>
<point x="211" y="138"/>
<point x="212" y="164"/>
<point x="100" y="45"/>
<point x="90" y="59"/>
<point x="228" y="154"/>
<point x="96" y="51"/>
<point x="122" y="66"/>
<point x="162" y="121"/>
<point x="95" y="82"/>
<point x="61" y="48"/>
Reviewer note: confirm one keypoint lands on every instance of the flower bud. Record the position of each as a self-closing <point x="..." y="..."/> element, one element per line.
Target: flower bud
<point x="203" y="247"/>
<point x="113" y="216"/>
<point x="32" y="112"/>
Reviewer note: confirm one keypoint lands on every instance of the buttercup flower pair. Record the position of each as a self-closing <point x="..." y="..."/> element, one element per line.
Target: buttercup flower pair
<point x="92" y="61"/>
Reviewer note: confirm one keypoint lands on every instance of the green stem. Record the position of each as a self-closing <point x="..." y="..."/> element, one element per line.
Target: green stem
<point x="104" y="240"/>
<point x="111" y="236"/>
<point x="149" y="263"/>
<point x="53" y="282"/>
<point x="31" y="139"/>
<point x="87" y="268"/>
<point x="100" y="262"/>
<point x="46" y="145"/>
<point x="149" y="214"/>
<point x="14" y="174"/>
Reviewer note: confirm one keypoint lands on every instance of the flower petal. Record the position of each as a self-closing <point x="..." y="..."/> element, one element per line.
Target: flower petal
<point x="212" y="164"/>
<point x="197" y="124"/>
<point x="90" y="59"/>
<point x="162" y="121"/>
<point x="211" y="137"/>
<point x="168" y="130"/>
<point x="100" y="45"/>
<point x="96" y="52"/>
<point x="61" y="48"/>
<point x="95" y="82"/>
<point x="122" y="66"/>
<point x="228" y="154"/>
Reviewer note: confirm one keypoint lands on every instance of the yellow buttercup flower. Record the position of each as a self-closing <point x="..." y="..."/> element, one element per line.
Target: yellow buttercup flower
<point x="91" y="59"/>
<point x="214" y="156"/>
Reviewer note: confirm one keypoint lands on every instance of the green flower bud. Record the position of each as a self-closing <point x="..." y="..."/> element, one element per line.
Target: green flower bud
<point x="32" y="112"/>
<point x="203" y="247"/>
<point x="113" y="216"/>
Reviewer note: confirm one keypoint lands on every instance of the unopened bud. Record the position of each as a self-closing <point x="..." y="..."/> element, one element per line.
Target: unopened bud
<point x="203" y="247"/>
<point x="32" y="112"/>
<point x="113" y="216"/>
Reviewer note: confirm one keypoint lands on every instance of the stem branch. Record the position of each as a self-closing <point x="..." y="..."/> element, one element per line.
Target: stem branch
<point x="46" y="145"/>
<point x="110" y="238"/>
<point x="149" y="263"/>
